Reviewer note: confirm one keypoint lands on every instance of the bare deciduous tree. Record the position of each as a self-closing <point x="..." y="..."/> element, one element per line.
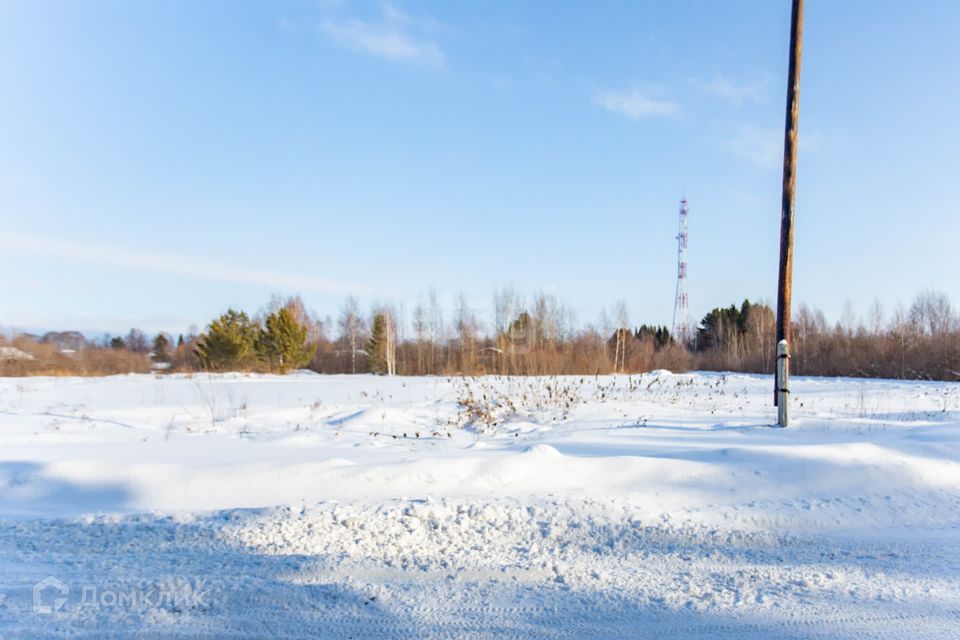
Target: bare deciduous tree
<point x="351" y="329"/>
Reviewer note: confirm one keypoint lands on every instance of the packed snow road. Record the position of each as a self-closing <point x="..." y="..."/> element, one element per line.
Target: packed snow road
<point x="311" y="506"/>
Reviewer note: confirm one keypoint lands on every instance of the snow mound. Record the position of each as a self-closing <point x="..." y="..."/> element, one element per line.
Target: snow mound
<point x="543" y="451"/>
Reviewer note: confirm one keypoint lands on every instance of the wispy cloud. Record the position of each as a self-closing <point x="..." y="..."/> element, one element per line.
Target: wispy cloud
<point x="95" y="325"/>
<point x="736" y="93"/>
<point x="636" y="103"/>
<point x="176" y="264"/>
<point x="395" y="35"/>
<point x="764" y="147"/>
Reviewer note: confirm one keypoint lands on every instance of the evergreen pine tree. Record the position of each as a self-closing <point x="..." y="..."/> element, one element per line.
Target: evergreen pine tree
<point x="228" y="342"/>
<point x="377" y="346"/>
<point x="160" y="345"/>
<point x="282" y="344"/>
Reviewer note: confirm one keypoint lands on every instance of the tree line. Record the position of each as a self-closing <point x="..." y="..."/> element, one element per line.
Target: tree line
<point x="535" y="336"/>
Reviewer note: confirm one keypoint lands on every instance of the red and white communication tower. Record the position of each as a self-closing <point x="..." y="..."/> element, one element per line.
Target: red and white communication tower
<point x="682" y="331"/>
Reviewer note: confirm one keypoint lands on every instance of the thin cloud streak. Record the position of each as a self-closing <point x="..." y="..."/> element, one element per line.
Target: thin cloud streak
<point x="735" y="93"/>
<point x="391" y="38"/>
<point x="384" y="42"/>
<point x="764" y="147"/>
<point x="636" y="104"/>
<point x="160" y="262"/>
<point x="93" y="326"/>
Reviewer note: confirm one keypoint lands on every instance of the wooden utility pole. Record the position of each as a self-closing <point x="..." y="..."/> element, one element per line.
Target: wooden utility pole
<point x="789" y="183"/>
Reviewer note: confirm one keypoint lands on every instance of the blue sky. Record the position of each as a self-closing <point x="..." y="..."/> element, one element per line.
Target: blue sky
<point x="162" y="161"/>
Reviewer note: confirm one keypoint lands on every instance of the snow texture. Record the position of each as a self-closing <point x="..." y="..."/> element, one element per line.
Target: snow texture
<point x="654" y="506"/>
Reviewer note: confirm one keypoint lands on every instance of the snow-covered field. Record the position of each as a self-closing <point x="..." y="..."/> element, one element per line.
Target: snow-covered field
<point x="356" y="506"/>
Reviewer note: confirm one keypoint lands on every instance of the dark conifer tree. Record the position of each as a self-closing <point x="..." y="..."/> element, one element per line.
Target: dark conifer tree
<point x="377" y="346"/>
<point x="282" y="344"/>
<point x="228" y="342"/>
